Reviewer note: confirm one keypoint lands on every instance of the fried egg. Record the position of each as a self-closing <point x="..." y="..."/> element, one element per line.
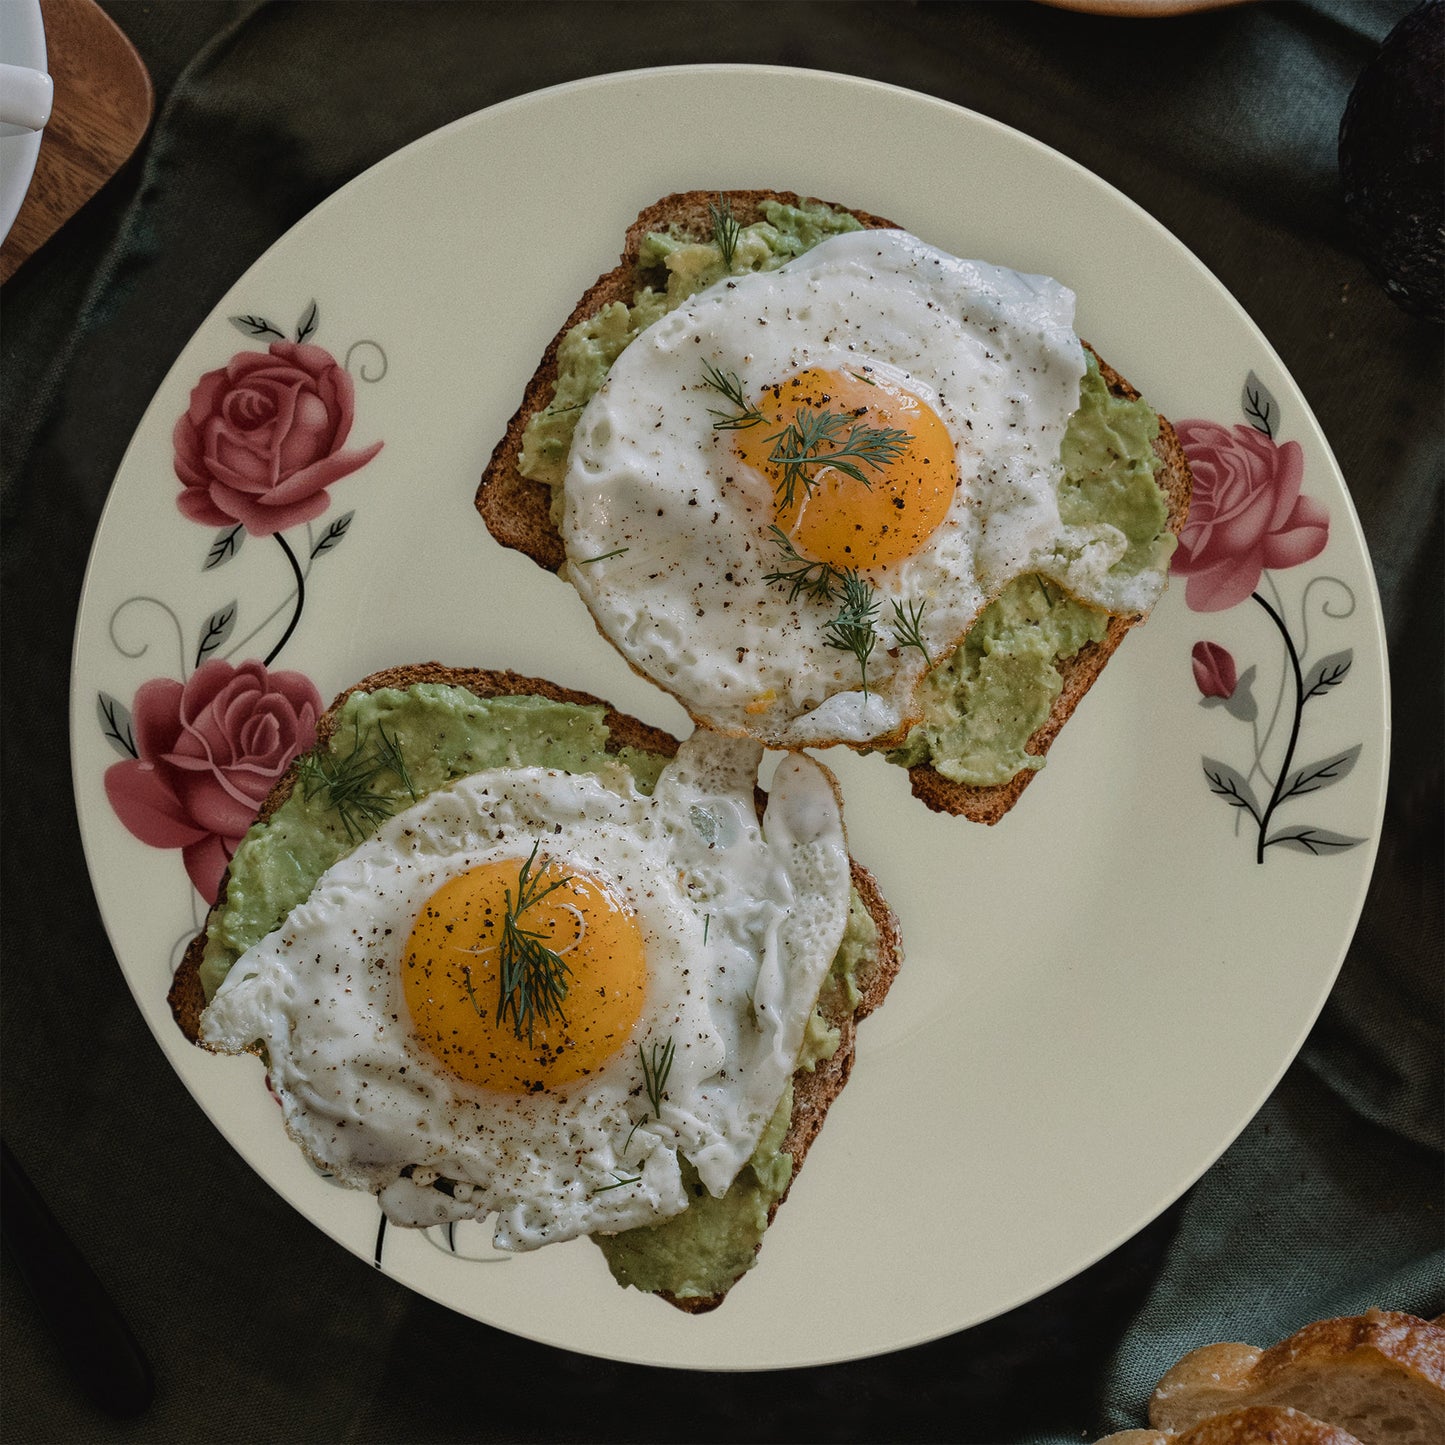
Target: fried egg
<point x="794" y="494"/>
<point x="691" y="940"/>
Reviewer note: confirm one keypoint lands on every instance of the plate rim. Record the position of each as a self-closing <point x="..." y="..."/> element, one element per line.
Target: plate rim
<point x="1011" y="135"/>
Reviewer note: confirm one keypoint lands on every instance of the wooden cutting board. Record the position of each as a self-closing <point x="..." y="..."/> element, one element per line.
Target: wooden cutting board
<point x="103" y="105"/>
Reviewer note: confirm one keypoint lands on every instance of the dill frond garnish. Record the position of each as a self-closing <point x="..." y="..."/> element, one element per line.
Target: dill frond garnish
<point x="852" y="629"/>
<point x="798" y="449"/>
<point x="655" y="1069"/>
<point x="818" y="580"/>
<point x="388" y="750"/>
<point x="656" y="1066"/>
<point x="531" y="978"/>
<point x="725" y="229"/>
<point x="620" y="1181"/>
<point x="343" y="781"/>
<point x="730" y="385"/>
<point x="906" y="625"/>
<point x="601" y="557"/>
<point x="471" y="991"/>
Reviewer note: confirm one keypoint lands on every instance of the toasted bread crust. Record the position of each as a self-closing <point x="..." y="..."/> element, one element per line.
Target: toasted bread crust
<point x="1254" y="1425"/>
<point x="813" y="1092"/>
<point x="517" y="511"/>
<point x="1353" y="1372"/>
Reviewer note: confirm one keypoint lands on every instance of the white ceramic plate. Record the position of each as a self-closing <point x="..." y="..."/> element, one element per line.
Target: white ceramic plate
<point x="1098" y="993"/>
<point x="22" y="42"/>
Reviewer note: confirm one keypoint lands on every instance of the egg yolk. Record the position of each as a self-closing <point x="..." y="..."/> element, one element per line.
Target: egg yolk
<point x="898" y="446"/>
<point x="453" y="963"/>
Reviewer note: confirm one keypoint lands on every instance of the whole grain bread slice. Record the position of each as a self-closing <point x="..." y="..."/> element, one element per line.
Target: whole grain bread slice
<point x="813" y="1090"/>
<point x="516" y="509"/>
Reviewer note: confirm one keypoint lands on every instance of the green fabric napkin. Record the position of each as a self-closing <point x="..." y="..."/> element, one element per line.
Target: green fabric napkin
<point x="1223" y="126"/>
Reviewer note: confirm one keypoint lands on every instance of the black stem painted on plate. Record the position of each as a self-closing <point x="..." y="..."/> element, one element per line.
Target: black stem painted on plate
<point x="1299" y="705"/>
<point x="300" y="599"/>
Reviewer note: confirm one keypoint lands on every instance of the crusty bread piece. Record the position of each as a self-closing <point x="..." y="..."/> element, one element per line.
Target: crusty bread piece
<point x="813" y="1092"/>
<point x="516" y="510"/>
<point x="1380" y="1375"/>
<point x="1253" y="1425"/>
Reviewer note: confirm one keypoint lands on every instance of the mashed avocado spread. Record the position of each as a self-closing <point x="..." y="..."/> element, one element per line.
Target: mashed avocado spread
<point x="985" y="702"/>
<point x="441" y="733"/>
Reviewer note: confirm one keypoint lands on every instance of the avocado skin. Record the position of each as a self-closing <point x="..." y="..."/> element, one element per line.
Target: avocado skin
<point x="1391" y="154"/>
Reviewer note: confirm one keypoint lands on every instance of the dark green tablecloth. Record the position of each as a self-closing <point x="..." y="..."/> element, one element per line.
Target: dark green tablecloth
<point x="1222" y="125"/>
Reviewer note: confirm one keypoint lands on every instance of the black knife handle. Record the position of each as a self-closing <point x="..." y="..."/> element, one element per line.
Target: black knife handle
<point x="95" y="1342"/>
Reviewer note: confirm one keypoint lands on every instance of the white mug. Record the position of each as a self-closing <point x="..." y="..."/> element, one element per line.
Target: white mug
<point x="25" y="97"/>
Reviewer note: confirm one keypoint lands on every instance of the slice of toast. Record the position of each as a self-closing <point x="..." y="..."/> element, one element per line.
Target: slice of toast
<point x="813" y="1091"/>
<point x="517" y="512"/>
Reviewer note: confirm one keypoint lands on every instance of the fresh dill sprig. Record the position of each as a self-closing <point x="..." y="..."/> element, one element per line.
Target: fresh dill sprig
<point x="1043" y="587"/>
<point x="655" y="1070"/>
<point x="344" y="781"/>
<point x="798" y="449"/>
<point x="471" y="991"/>
<point x="601" y="557"/>
<point x="656" y="1066"/>
<point x="531" y="978"/>
<point x="852" y="629"/>
<point x="906" y="627"/>
<point x="388" y="750"/>
<point x="725" y="229"/>
<point x="818" y="580"/>
<point x="730" y="385"/>
<point x="620" y="1182"/>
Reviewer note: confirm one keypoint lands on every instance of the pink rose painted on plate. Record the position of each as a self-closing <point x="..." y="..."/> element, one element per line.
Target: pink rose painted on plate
<point x="1246" y="513"/>
<point x="207" y="751"/>
<point x="1215" y="672"/>
<point x="264" y="437"/>
<point x="257" y="449"/>
<point x="1247" y="519"/>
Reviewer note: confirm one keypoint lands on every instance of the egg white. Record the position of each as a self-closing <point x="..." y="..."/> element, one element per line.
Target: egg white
<point x="740" y="921"/>
<point x="667" y="536"/>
